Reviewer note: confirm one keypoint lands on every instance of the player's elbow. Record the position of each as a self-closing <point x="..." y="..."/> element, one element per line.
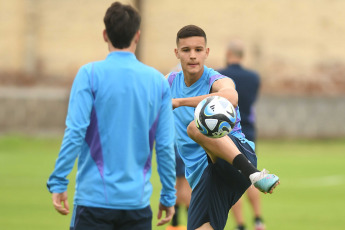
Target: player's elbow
<point x="233" y="98"/>
<point x="230" y="94"/>
<point x="234" y="102"/>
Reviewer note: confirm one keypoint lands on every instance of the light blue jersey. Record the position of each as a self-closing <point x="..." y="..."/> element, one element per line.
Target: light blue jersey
<point x="118" y="107"/>
<point x="192" y="154"/>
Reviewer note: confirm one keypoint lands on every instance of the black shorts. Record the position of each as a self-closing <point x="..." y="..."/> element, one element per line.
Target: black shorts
<point x="180" y="167"/>
<point x="90" y="218"/>
<point x="219" y="188"/>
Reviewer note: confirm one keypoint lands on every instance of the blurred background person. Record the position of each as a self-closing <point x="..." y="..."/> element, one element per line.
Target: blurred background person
<point x="247" y="85"/>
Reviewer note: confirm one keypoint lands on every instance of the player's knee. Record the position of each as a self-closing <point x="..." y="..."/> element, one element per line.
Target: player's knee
<point x="192" y="130"/>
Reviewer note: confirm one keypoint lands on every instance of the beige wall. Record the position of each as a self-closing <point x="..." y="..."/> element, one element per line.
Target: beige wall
<point x="52" y="37"/>
<point x="290" y="42"/>
<point x="12" y="24"/>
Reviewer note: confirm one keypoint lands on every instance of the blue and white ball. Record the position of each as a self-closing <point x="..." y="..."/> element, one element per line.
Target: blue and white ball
<point x="215" y="116"/>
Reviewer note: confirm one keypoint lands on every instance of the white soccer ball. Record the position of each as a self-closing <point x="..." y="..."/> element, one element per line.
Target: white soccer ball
<point x="215" y="116"/>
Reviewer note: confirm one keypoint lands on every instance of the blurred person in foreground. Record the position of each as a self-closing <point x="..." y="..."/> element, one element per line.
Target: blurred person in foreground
<point x="247" y="86"/>
<point x="219" y="170"/>
<point x="118" y="107"/>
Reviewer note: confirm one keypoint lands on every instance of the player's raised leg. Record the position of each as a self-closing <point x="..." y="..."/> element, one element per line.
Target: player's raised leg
<point x="226" y="149"/>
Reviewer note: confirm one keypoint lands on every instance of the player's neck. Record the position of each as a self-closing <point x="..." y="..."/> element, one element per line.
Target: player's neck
<point x="191" y="78"/>
<point x="234" y="61"/>
<point x="130" y="48"/>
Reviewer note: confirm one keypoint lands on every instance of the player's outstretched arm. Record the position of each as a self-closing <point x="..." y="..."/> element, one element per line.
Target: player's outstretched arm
<point x="224" y="87"/>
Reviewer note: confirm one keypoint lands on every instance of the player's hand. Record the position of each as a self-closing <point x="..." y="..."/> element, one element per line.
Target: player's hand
<point x="175" y="103"/>
<point x="169" y="213"/>
<point x="60" y="203"/>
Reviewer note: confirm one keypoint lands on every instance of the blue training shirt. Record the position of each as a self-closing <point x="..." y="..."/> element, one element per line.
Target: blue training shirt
<point x="192" y="154"/>
<point x="118" y="107"/>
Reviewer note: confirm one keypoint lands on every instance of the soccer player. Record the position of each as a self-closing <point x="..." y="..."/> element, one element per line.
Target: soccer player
<point x="247" y="86"/>
<point x="217" y="170"/>
<point x="118" y="107"/>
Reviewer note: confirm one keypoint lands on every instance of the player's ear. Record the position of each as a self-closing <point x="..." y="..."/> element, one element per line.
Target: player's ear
<point x="105" y="36"/>
<point x="137" y="36"/>
<point x="176" y="53"/>
<point x="207" y="51"/>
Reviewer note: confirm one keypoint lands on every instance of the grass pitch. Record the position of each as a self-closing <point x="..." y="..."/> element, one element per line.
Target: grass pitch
<point x="311" y="195"/>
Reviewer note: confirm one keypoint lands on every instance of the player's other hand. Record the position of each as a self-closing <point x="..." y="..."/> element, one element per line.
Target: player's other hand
<point x="60" y="203"/>
<point x="175" y="103"/>
<point x="169" y="213"/>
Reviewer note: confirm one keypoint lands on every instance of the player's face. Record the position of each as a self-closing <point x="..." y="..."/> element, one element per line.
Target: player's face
<point x="192" y="53"/>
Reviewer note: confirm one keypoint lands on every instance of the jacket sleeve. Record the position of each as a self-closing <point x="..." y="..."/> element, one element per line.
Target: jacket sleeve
<point x="165" y="136"/>
<point x="77" y="121"/>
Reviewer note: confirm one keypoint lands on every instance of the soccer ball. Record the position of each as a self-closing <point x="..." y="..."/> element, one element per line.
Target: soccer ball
<point x="215" y="116"/>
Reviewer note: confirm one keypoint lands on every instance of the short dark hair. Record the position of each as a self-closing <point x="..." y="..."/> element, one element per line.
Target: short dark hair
<point x="121" y="23"/>
<point x="190" y="31"/>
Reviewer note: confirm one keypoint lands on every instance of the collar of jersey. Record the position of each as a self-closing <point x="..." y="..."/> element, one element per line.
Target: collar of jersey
<point x="121" y="54"/>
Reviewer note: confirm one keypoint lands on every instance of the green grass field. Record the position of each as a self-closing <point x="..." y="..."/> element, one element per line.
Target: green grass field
<point x="311" y="195"/>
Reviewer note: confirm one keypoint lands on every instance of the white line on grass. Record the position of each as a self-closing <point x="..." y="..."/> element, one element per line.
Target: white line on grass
<point x="326" y="181"/>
